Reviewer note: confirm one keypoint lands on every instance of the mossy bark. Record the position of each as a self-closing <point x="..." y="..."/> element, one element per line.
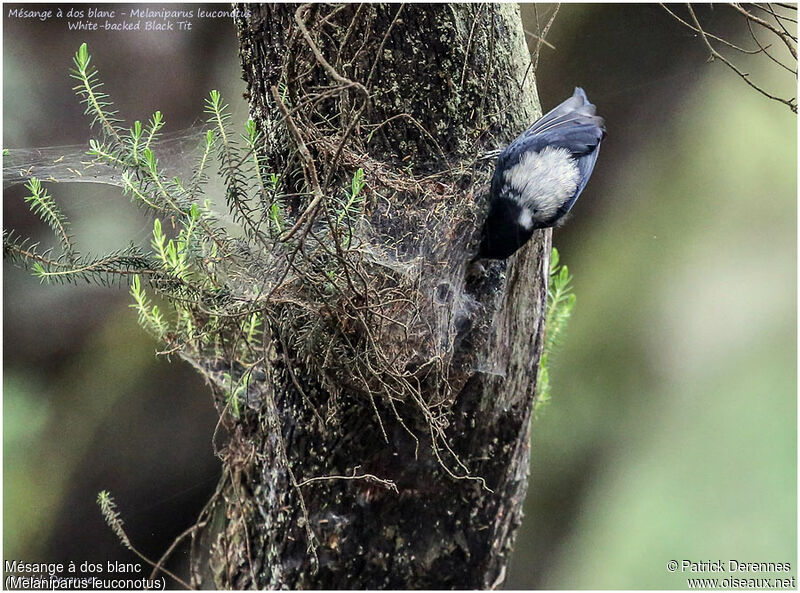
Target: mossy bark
<point x="445" y="82"/>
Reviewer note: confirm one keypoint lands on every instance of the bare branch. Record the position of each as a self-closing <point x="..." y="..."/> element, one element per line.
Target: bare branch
<point x="784" y="36"/>
<point x="541" y="37"/>
<point x="779" y="31"/>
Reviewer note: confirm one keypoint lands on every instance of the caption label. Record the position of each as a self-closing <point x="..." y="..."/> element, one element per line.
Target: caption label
<point x="92" y="18"/>
<point x="77" y="575"/>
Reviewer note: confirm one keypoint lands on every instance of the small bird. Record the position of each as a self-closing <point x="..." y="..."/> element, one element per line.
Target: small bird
<point x="540" y="175"/>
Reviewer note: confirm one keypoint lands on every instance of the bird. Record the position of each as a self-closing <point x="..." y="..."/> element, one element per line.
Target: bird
<point x="539" y="176"/>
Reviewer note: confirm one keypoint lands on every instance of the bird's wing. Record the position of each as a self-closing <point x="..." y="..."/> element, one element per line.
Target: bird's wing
<point x="580" y="139"/>
<point x="586" y="166"/>
<point x="573" y="126"/>
<point x="584" y="143"/>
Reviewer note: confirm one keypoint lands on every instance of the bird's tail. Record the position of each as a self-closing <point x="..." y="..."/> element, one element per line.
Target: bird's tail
<point x="576" y="110"/>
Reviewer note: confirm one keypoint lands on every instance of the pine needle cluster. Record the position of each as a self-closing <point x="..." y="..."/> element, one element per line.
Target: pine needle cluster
<point x="560" y="303"/>
<point x="293" y="265"/>
<point x="200" y="279"/>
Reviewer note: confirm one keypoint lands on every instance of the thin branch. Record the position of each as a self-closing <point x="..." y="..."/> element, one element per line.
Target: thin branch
<point x="379" y="53"/>
<point x="765" y="48"/>
<point x="779" y="18"/>
<point x="308" y="166"/>
<point x="388" y="484"/>
<point x="783" y="36"/>
<point x="346" y="82"/>
<point x="298" y="16"/>
<point x="709" y="35"/>
<point x="714" y="54"/>
<point x="112" y="518"/>
<point x="542" y="37"/>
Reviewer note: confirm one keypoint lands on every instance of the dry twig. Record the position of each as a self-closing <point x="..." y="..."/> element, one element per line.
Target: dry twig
<point x="776" y="29"/>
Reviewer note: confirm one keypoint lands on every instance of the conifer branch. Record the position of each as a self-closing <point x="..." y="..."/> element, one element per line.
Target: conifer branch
<point x="112" y="518"/>
<point x="97" y="102"/>
<point x="41" y="203"/>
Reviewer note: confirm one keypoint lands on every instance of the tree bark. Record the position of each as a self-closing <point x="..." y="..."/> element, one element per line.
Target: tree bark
<point x="350" y="490"/>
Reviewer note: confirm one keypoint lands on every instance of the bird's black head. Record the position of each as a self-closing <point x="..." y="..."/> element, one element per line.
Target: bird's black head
<point x="503" y="233"/>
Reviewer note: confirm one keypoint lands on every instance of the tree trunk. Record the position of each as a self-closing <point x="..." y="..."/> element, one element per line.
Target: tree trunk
<point x="335" y="476"/>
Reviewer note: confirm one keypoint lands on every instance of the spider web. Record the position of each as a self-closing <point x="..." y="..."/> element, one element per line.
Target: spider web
<point x="177" y="153"/>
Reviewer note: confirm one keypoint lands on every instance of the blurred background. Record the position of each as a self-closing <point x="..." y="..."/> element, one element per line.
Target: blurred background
<point x="672" y="429"/>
